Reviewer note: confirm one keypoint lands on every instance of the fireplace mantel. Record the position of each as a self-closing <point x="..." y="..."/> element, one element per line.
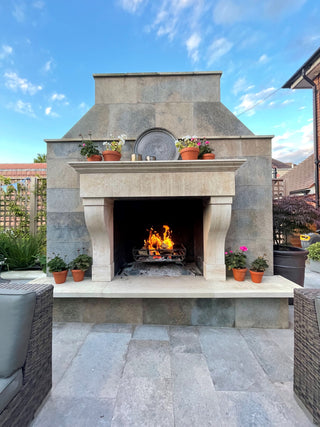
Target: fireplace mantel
<point x="103" y="182"/>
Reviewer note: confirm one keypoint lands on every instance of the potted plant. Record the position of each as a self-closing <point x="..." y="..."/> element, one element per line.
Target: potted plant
<point x="188" y="147"/>
<point x="257" y="269"/>
<point x="113" y="148"/>
<point x="90" y="150"/>
<point x="59" y="268"/>
<point x="79" y="266"/>
<point x="205" y="151"/>
<point x="237" y="262"/>
<point x="292" y="215"/>
<point x="314" y="257"/>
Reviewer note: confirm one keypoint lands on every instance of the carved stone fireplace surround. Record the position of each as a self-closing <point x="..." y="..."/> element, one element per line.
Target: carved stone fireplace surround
<point x="103" y="182"/>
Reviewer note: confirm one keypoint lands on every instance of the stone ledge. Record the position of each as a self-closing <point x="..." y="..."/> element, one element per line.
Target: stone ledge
<point x="172" y="287"/>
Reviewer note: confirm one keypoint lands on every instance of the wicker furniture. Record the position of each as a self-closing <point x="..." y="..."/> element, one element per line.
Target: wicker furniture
<point x="307" y="351"/>
<point x="37" y="369"/>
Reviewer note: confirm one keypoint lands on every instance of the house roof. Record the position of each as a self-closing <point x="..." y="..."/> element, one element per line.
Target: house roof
<point x="311" y="68"/>
<point x="22" y="170"/>
<point x="280" y="165"/>
<point x="301" y="177"/>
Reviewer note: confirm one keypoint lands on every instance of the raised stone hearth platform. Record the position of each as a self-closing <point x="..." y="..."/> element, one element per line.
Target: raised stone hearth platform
<point x="175" y="301"/>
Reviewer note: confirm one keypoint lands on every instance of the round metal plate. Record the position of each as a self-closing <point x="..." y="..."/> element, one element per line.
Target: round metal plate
<point x="156" y="142"/>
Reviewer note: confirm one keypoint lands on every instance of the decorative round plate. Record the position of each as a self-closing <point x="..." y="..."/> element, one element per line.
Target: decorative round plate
<point x="156" y="142"/>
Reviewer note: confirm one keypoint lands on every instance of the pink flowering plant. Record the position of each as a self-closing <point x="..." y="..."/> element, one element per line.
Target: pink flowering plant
<point x="187" y="141"/>
<point x="204" y="147"/>
<point x="236" y="259"/>
<point x="88" y="148"/>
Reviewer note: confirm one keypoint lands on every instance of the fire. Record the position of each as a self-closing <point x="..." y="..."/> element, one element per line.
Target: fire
<point x="155" y="242"/>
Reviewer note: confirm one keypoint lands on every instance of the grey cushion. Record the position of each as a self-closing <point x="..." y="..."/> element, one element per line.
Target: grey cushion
<point x="16" y="314"/>
<point x="317" y="304"/>
<point x="9" y="387"/>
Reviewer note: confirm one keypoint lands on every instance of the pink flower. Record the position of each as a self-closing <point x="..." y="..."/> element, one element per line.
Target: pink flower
<point x="207" y="142"/>
<point x="226" y="253"/>
<point x="243" y="248"/>
<point x="230" y="252"/>
<point x="83" y="145"/>
<point x="198" y="143"/>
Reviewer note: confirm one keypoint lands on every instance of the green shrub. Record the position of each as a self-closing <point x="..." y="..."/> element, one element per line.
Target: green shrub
<point x="314" y="251"/>
<point x="21" y="251"/>
<point x="57" y="264"/>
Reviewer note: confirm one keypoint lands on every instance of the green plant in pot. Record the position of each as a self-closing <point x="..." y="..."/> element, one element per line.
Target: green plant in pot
<point x="188" y="147"/>
<point x="292" y="215"/>
<point x="205" y="151"/>
<point x="59" y="268"/>
<point x="79" y="266"/>
<point x="90" y="150"/>
<point x="237" y="262"/>
<point x="257" y="268"/>
<point x="314" y="257"/>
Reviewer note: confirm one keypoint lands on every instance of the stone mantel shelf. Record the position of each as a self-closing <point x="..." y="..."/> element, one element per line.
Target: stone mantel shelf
<point x="172" y="166"/>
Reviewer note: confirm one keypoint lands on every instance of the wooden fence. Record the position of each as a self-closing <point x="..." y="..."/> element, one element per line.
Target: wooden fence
<point x="23" y="205"/>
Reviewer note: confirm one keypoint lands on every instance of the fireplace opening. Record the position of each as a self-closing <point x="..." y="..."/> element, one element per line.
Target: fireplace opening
<point x="158" y="236"/>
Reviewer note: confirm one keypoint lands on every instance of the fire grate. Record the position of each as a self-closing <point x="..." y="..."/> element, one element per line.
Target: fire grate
<point x="177" y="254"/>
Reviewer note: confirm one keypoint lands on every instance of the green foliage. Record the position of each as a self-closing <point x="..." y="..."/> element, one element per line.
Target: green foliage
<point x="57" y="264"/>
<point x="88" y="148"/>
<point x="259" y="264"/>
<point x="82" y="262"/>
<point x="236" y="259"/>
<point x="187" y="141"/>
<point x="314" y="251"/>
<point x="41" y="158"/>
<point x="204" y="148"/>
<point x="293" y="215"/>
<point x="20" y="250"/>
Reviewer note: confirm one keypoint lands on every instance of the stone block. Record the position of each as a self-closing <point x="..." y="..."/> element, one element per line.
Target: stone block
<point x="131" y="119"/>
<point x="167" y="311"/>
<point x="174" y="117"/>
<point x="261" y="313"/>
<point x="255" y="171"/>
<point x="61" y="175"/>
<point x="184" y="339"/>
<point x="67" y="310"/>
<point x="151" y="332"/>
<point x="113" y="310"/>
<point x="253" y="197"/>
<point x="67" y="250"/>
<point x="67" y="227"/>
<point x="213" y="312"/>
<point x="71" y="200"/>
<point x="258" y="146"/>
<point x="227" y="148"/>
<point x="64" y="150"/>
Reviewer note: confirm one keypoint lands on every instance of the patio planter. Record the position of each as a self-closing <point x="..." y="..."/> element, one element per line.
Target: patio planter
<point x="314" y="265"/>
<point x="290" y="263"/>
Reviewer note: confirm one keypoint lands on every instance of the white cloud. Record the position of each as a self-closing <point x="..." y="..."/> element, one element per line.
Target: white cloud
<point x="241" y="85"/>
<point x="250" y="100"/>
<point x="58" y="97"/>
<point x="228" y="12"/>
<point x="287" y="101"/>
<point x="192" y="44"/>
<point x="48" y="112"/>
<point x="263" y="59"/>
<point x="5" y="51"/>
<point x="38" y="4"/>
<point x="19" y="11"/>
<point x="47" y="66"/>
<point x="131" y="6"/>
<point x="302" y="108"/>
<point x="14" y="82"/>
<point x="217" y="49"/>
<point x="83" y="106"/>
<point x="22" y="108"/>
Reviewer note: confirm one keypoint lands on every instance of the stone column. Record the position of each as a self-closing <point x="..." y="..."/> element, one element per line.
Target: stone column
<point x="98" y="214"/>
<point x="216" y="222"/>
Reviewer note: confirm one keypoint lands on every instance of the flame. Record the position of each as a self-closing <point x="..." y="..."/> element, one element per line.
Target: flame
<point x="155" y="242"/>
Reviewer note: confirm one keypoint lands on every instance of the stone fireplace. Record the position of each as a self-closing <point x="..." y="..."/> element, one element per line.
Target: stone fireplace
<point x="228" y="199"/>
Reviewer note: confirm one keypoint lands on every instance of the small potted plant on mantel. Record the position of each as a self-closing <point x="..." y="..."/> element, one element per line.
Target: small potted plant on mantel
<point x="188" y="147"/>
<point x="205" y="151"/>
<point x="113" y="149"/>
<point x="90" y="150"/>
<point x="237" y="262"/>
<point x="59" y="268"/>
<point x="79" y="266"/>
<point x="257" y="268"/>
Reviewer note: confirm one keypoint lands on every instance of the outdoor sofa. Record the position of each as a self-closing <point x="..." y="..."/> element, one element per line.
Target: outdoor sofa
<point x="25" y="351"/>
<point x="307" y="350"/>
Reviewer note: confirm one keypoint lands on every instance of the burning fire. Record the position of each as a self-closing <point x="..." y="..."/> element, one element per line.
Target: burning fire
<point x="155" y="242"/>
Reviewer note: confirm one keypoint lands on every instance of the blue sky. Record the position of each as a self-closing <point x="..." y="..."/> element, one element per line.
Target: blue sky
<point x="49" y="50"/>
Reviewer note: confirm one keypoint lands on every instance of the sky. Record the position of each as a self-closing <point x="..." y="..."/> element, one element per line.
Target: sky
<point x="49" y="50"/>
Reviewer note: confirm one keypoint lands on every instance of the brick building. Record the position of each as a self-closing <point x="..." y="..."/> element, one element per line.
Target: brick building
<point x="23" y="170"/>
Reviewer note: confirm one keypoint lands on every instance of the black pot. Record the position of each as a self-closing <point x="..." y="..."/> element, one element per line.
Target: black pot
<point x="289" y="262"/>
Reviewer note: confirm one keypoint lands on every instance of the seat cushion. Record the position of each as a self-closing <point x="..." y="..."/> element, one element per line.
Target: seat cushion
<point x="16" y="314"/>
<point x="9" y="387"/>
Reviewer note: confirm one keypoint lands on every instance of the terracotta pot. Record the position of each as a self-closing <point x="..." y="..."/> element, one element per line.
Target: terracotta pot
<point x="256" y="276"/>
<point x="189" y="153"/>
<point x="60" y="276"/>
<point x="239" y="274"/>
<point x="77" y="275"/>
<point x="111" y="156"/>
<point x="94" y="158"/>
<point x="208" y="156"/>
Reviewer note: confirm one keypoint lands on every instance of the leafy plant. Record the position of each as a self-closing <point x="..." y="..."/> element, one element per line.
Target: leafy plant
<point x="236" y="259"/>
<point x="293" y="215"/>
<point x="88" y="148"/>
<point x="314" y="251"/>
<point x="204" y="148"/>
<point x="187" y="141"/>
<point x="41" y="158"/>
<point x="81" y="262"/>
<point x="259" y="264"/>
<point x="115" y="144"/>
<point x="57" y="264"/>
<point x="20" y="251"/>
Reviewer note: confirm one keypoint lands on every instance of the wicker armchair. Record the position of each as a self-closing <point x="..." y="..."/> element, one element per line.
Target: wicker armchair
<point x="307" y="351"/>
<point x="37" y="370"/>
